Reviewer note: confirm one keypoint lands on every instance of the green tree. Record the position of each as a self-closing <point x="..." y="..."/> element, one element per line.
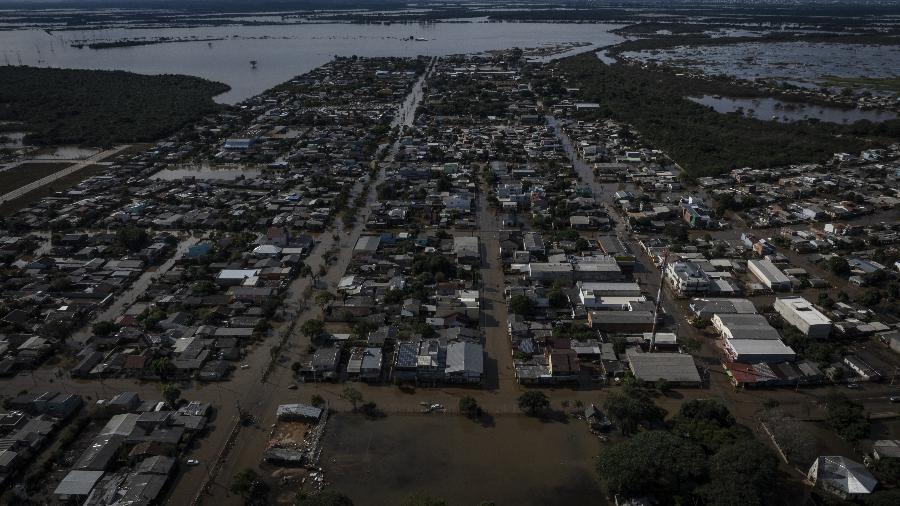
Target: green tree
<point x="557" y="299"/>
<point x="423" y="500"/>
<point x="652" y="462"/>
<point x="838" y="265"/>
<point x="745" y="469"/>
<point x="324" y="498"/>
<point x="312" y="328"/>
<point x="250" y="487"/>
<point x="162" y="367"/>
<point x="534" y="402"/>
<point x="846" y="417"/>
<point x="132" y="238"/>
<point x="469" y="407"/>
<point x="323" y="298"/>
<point x="171" y="393"/>
<point x="104" y="328"/>
<point x="317" y="400"/>
<point x="353" y="396"/>
<point x="631" y="409"/>
<point x="521" y="305"/>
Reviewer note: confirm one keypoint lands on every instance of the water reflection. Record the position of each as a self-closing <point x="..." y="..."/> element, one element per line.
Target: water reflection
<point x="786" y="112"/>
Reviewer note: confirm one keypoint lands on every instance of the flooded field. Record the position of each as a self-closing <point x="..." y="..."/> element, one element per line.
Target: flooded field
<point x="799" y="63"/>
<point x="517" y="460"/>
<point x="786" y="112"/>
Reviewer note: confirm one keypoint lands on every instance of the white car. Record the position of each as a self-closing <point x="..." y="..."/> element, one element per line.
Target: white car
<point x="192" y="462"/>
<point x="245" y="366"/>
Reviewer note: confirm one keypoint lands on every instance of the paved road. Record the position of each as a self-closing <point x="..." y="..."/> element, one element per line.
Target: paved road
<point x="133" y="292"/>
<point x="80" y="164"/>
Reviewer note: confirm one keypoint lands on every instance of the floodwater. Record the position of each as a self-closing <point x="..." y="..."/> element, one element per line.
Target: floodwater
<point x="281" y="52"/>
<point x="206" y="172"/>
<point x="518" y="460"/>
<point x="799" y="63"/>
<point x="66" y="153"/>
<point x="787" y="112"/>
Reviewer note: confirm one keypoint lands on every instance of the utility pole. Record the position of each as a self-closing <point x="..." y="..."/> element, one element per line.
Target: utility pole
<point x="662" y="274"/>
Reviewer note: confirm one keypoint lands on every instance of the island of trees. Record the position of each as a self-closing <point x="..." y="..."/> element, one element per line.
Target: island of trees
<point x="99" y="107"/>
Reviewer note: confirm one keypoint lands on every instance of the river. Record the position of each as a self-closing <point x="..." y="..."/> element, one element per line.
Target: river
<point x="282" y="51"/>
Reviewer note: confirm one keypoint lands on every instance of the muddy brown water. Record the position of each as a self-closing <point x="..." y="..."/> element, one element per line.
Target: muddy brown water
<point x="510" y="460"/>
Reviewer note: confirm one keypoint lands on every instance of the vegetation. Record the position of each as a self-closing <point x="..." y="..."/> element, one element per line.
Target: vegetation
<point x="469" y="407"/>
<point x="846" y="417"/>
<point x="99" y="107"/>
<point x="312" y="328"/>
<point x="324" y="498"/>
<point x="702" y="141"/>
<point x="632" y="408"/>
<point x="353" y="396"/>
<point x="534" y="402"/>
<point x="705" y="458"/>
<point x="172" y="394"/>
<point x="249" y="485"/>
<point x="521" y="305"/>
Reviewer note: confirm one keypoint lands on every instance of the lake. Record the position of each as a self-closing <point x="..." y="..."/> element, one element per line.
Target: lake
<point x="786" y="112"/>
<point x="282" y="51"/>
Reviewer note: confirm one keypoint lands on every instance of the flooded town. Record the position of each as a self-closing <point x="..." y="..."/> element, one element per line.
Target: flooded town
<point x="465" y="278"/>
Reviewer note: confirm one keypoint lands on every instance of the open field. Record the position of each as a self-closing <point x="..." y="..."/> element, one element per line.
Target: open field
<point x="17" y="177"/>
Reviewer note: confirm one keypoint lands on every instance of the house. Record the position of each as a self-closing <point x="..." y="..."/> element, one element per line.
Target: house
<point x="687" y="278"/>
<point x="301" y="412"/>
<point x="675" y="368"/>
<point x="465" y="362"/>
<point x="77" y="485"/>
<point x="841" y="476"/>
<point x="466" y="250"/>
<point x="631" y="322"/>
<point x="365" y="363"/>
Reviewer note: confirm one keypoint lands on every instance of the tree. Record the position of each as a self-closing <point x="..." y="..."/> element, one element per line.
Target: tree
<point x="745" y="469"/>
<point x="846" y="417"/>
<point x="533" y="402"/>
<point x="630" y="409"/>
<point x="521" y="305"/>
<point x="652" y="462"/>
<point x="104" y="328"/>
<point x="324" y="498"/>
<point x="323" y="298"/>
<point x="557" y="299"/>
<point x="423" y="500"/>
<point x="171" y="393"/>
<point x="161" y="366"/>
<point x="469" y="407"/>
<point x="132" y="238"/>
<point x="838" y="265"/>
<point x="317" y="400"/>
<point x="353" y="396"/>
<point x="312" y="328"/>
<point x="249" y="486"/>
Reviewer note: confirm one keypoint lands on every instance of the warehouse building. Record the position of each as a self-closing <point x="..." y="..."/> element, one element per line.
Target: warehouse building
<point x="754" y="351"/>
<point x="769" y="275"/>
<point x="800" y="313"/>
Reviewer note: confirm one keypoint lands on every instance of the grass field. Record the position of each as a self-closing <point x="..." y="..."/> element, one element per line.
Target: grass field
<point x="17" y="177"/>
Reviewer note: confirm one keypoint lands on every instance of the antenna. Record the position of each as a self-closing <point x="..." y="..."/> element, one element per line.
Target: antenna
<point x="662" y="275"/>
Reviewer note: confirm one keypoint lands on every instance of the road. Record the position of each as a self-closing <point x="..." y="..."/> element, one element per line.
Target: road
<point x="264" y="398"/>
<point x="132" y="293"/>
<point x="78" y="165"/>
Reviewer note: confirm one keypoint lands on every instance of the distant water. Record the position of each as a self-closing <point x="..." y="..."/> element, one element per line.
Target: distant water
<point x="282" y="52"/>
<point x="786" y="112"/>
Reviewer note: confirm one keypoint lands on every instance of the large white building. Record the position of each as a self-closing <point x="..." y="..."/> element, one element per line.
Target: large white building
<point x="607" y="295"/>
<point x="754" y="351"/>
<point x="800" y="313"/>
<point x="769" y="274"/>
